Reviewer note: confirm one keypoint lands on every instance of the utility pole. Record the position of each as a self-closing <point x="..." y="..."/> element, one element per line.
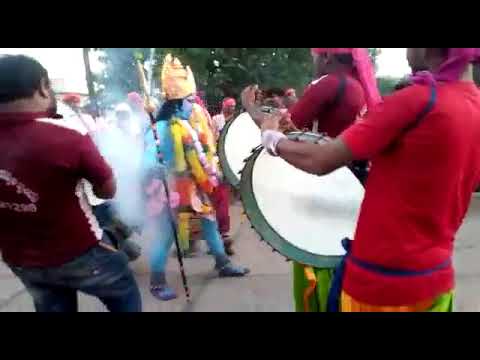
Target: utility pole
<point x="90" y="85"/>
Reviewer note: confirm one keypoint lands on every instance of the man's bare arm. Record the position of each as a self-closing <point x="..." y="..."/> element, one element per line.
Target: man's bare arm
<point x="317" y="159"/>
<point x="249" y="95"/>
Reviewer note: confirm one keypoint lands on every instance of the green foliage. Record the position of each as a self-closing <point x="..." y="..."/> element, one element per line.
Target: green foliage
<point x="387" y="85"/>
<point x="219" y="72"/>
<point x="120" y="74"/>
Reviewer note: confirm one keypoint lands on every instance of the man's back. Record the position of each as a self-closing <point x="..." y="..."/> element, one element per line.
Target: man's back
<point x="419" y="188"/>
<point x="46" y="218"/>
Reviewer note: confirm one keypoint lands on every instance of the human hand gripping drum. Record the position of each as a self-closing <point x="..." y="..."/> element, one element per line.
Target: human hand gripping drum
<point x="270" y="134"/>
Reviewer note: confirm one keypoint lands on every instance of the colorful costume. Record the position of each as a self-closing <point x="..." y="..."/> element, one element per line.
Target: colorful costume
<point x="187" y="148"/>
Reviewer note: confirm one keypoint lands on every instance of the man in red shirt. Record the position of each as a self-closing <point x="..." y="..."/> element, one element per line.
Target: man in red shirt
<point x="344" y="88"/>
<point x="426" y="165"/>
<point x="50" y="237"/>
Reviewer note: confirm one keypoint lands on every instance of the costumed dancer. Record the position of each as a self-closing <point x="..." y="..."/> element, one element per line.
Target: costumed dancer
<point x="426" y="164"/>
<point x="345" y="87"/>
<point x="187" y="147"/>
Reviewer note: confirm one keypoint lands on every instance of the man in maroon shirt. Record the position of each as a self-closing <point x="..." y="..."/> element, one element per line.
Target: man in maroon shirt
<point x="344" y="86"/>
<point x="50" y="238"/>
<point x="426" y="164"/>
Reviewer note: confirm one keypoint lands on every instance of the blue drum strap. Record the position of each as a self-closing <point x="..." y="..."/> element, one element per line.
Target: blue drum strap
<point x="397" y="272"/>
<point x="333" y="303"/>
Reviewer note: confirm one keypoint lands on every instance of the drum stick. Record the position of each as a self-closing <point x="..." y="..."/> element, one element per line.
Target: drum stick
<point x="143" y="86"/>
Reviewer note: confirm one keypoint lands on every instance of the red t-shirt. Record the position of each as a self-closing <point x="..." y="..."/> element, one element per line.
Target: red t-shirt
<point x="418" y="191"/>
<point x="317" y="103"/>
<point x="46" y="220"/>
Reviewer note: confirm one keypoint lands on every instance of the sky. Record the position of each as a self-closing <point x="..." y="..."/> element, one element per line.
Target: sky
<point x="67" y="64"/>
<point x="393" y="62"/>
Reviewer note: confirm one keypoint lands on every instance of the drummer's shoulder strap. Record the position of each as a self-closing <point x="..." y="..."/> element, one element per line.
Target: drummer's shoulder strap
<point x="341" y="90"/>
<point x="339" y="95"/>
<point x="432" y="100"/>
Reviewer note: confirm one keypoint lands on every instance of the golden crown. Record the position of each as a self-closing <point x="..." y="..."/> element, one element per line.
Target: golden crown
<point x="177" y="80"/>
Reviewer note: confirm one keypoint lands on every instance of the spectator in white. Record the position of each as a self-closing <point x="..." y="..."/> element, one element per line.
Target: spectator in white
<point x="227" y="114"/>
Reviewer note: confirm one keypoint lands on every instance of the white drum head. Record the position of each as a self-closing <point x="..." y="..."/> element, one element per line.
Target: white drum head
<point x="242" y="137"/>
<point x="313" y="213"/>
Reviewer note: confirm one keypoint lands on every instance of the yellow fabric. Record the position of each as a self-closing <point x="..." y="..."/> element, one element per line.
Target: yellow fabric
<point x="184" y="230"/>
<point x="310" y="289"/>
<point x="177" y="135"/>
<point x="196" y="167"/>
<point x="177" y="80"/>
<point x="443" y="303"/>
<point x="199" y="122"/>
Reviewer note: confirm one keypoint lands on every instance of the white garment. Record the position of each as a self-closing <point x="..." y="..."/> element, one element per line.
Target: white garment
<point x="219" y="123"/>
<point x="85" y="124"/>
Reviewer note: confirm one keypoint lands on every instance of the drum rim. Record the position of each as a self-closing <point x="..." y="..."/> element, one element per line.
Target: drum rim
<point x="267" y="232"/>
<point x="228" y="173"/>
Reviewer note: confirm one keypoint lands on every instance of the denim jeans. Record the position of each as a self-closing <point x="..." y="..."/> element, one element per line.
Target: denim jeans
<point x="100" y="272"/>
<point x="164" y="240"/>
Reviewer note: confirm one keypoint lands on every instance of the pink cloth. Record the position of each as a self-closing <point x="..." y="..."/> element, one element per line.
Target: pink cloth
<point x="136" y="99"/>
<point x="73" y="99"/>
<point x="199" y="101"/>
<point x="228" y="102"/>
<point x="365" y="70"/>
<point x="453" y="67"/>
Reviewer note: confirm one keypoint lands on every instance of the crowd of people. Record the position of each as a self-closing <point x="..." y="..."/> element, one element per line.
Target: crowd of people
<point x="78" y="189"/>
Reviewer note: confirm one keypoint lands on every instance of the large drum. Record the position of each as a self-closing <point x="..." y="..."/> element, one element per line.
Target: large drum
<point x="302" y="216"/>
<point x="237" y="140"/>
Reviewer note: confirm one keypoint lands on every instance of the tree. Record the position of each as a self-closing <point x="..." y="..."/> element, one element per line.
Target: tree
<point x="219" y="72"/>
<point x="387" y="85"/>
<point x="120" y="74"/>
<point x="90" y="81"/>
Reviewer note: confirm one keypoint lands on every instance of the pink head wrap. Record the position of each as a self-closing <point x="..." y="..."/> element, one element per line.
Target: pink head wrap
<point x="228" y="102"/>
<point x="199" y="101"/>
<point x="453" y="67"/>
<point x="136" y="99"/>
<point x="73" y="99"/>
<point x="365" y="70"/>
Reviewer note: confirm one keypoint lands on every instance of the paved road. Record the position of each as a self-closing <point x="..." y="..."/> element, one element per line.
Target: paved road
<point x="268" y="288"/>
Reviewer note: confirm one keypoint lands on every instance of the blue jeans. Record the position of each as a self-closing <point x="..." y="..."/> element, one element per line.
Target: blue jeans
<point x="100" y="272"/>
<point x="164" y="240"/>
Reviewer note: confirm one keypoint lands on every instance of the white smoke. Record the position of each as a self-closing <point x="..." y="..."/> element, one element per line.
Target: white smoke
<point x="124" y="151"/>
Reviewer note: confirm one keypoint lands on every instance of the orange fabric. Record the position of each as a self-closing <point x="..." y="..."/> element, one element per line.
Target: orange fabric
<point x="184" y="187"/>
<point x="349" y="304"/>
<point x="312" y="284"/>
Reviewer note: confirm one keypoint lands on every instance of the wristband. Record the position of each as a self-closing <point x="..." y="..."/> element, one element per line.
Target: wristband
<point x="270" y="140"/>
